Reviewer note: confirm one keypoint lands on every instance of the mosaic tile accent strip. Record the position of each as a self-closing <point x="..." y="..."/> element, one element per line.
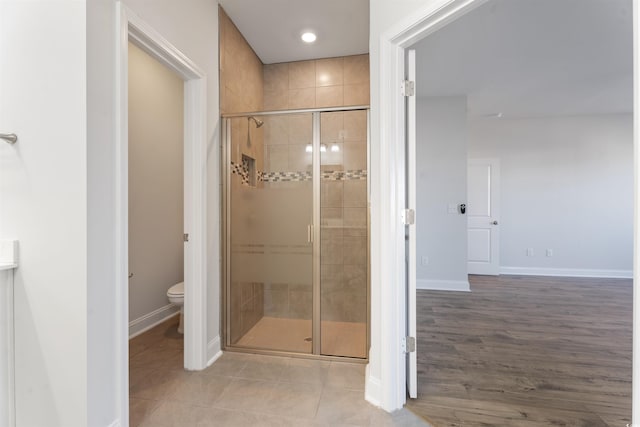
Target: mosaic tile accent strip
<point x="358" y="174"/>
<point x="284" y="176"/>
<point x="243" y="171"/>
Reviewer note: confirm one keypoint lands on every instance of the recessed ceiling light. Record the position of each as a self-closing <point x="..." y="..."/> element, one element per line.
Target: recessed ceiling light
<point x="308" y="37"/>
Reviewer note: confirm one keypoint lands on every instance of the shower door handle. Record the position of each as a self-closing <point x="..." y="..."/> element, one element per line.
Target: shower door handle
<point x="310" y="233"/>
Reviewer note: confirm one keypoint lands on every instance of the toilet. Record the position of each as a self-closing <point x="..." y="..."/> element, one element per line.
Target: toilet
<point x="176" y="296"/>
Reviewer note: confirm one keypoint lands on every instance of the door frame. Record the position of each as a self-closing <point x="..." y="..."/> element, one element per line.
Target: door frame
<point x="130" y="27"/>
<point x="388" y="254"/>
<point x="388" y="390"/>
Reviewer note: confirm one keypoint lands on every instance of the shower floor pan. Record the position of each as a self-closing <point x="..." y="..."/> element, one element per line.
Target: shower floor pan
<point x="346" y="339"/>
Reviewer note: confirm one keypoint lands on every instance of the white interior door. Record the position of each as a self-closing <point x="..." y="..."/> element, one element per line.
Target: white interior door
<point x="412" y="364"/>
<point x="483" y="216"/>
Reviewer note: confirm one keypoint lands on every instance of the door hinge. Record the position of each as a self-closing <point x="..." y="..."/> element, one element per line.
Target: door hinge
<point x="408" y="216"/>
<point x="185" y="237"/>
<point x="408" y="344"/>
<point x="408" y="88"/>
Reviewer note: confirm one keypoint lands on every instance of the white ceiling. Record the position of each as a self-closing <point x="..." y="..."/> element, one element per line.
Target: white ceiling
<point x="273" y="27"/>
<point x="528" y="58"/>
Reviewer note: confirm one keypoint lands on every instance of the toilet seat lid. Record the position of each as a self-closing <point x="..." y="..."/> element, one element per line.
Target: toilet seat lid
<point x="176" y="290"/>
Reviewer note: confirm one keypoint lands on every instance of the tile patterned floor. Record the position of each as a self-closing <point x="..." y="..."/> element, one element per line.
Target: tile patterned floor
<point x="246" y="390"/>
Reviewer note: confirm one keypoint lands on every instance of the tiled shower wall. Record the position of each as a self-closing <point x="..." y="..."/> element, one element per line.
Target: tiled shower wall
<point x="241" y="90"/>
<point x="331" y="82"/>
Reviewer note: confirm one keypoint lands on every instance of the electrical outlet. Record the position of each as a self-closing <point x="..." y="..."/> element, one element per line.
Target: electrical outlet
<point x="424" y="261"/>
<point x="549" y="252"/>
<point x="530" y="252"/>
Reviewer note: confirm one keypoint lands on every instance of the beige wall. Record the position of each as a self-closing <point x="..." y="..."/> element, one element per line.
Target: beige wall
<point x="155" y="182"/>
<point x="331" y="82"/>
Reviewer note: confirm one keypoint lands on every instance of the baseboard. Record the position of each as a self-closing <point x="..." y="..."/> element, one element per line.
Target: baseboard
<point x="567" y="272"/>
<point x="214" y="350"/>
<point x="372" y="389"/>
<point x="443" y="285"/>
<point x="148" y="321"/>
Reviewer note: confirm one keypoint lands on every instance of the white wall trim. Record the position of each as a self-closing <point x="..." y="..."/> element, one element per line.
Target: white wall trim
<point x="567" y="272"/>
<point x="130" y="27"/>
<point x="388" y="299"/>
<point x="214" y="350"/>
<point x="372" y="388"/>
<point x="635" y="380"/>
<point x="7" y="349"/>
<point x="444" y="285"/>
<point x="143" y="323"/>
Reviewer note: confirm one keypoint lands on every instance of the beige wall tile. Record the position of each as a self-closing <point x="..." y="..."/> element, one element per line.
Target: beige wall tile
<point x="356" y="69"/>
<point x="329" y="96"/>
<point x="355" y="250"/>
<point x="355" y="277"/>
<point x="276" y="77"/>
<point x="331" y="126"/>
<point x="241" y="71"/>
<point x="302" y="74"/>
<point x="331" y="194"/>
<point x="329" y="77"/>
<point x="355" y="155"/>
<point x="356" y="94"/>
<point x="355" y="217"/>
<point x="331" y="276"/>
<point x="355" y="193"/>
<point x="332" y="160"/>
<point x="331" y="252"/>
<point x="278" y="158"/>
<point x="276" y="130"/>
<point x="327" y="213"/>
<point x="300" y="129"/>
<point x="332" y="233"/>
<point x="329" y="72"/>
<point x="302" y="98"/>
<point x="276" y="100"/>
<point x="355" y="125"/>
<point x="299" y="159"/>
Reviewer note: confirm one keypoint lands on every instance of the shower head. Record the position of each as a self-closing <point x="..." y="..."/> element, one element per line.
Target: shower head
<point x="256" y="121"/>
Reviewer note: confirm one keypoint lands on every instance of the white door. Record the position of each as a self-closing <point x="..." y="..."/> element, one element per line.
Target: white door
<point x="412" y="364"/>
<point x="483" y="216"/>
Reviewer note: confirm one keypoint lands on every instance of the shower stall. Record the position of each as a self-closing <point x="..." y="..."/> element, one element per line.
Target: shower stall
<point x="296" y="232"/>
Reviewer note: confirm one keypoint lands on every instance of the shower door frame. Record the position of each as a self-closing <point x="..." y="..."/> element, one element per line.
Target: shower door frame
<point x="316" y="278"/>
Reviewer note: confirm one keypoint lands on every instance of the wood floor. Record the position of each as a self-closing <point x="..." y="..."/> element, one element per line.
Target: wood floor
<point x="526" y="351"/>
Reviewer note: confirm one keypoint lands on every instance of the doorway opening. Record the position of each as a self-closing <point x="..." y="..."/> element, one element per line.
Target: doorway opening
<point x="193" y="209"/>
<point x="555" y="144"/>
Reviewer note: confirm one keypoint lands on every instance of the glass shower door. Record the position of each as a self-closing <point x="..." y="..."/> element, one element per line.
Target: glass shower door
<point x="269" y="235"/>
<point x="343" y="233"/>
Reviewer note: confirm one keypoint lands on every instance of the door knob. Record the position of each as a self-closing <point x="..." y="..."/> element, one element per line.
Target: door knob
<point x="495" y="223"/>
